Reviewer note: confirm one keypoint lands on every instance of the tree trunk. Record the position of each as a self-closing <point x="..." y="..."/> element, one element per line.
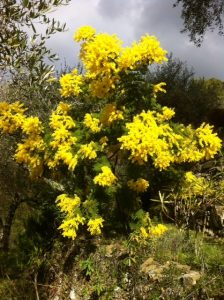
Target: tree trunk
<point x="8" y="223"/>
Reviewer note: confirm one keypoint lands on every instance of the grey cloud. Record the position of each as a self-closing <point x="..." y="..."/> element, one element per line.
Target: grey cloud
<point x="161" y="19"/>
<point x="158" y="17"/>
<point x="115" y="8"/>
<point x="132" y="18"/>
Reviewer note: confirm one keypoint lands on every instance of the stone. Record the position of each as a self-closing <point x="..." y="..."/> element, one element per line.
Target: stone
<point x="115" y="249"/>
<point x="72" y="295"/>
<point x="190" y="278"/>
<point x="183" y="268"/>
<point x="152" y="268"/>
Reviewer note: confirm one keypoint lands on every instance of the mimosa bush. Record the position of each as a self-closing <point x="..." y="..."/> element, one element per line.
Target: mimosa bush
<point x="105" y="158"/>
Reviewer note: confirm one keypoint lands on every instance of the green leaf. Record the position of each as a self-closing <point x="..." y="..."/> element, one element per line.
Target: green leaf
<point x="101" y="161"/>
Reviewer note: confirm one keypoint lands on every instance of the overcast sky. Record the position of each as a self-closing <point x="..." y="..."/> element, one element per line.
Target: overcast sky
<point x="130" y="19"/>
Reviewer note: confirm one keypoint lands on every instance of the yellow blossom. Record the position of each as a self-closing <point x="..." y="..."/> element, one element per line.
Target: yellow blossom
<point x="147" y="51"/>
<point x="147" y="137"/>
<point x="70" y="226"/>
<point x="193" y="186"/>
<point x="209" y="142"/>
<point x="100" y="88"/>
<point x="84" y="33"/>
<point x="71" y="84"/>
<point x="63" y="108"/>
<point x="110" y="114"/>
<point x="62" y="138"/>
<point x="139" y="186"/>
<point x="95" y="225"/>
<point x="88" y="151"/>
<point x="158" y="88"/>
<point x="115" y="115"/>
<point x="68" y="204"/>
<point x="57" y="120"/>
<point x="190" y="177"/>
<point x="103" y="141"/>
<point x="32" y="125"/>
<point x="92" y="123"/>
<point x="65" y="155"/>
<point x="11" y="116"/>
<point x="30" y="153"/>
<point x="144" y="232"/>
<point x="105" y="178"/>
<point x="167" y="114"/>
<point x="100" y="53"/>
<point x="158" y="230"/>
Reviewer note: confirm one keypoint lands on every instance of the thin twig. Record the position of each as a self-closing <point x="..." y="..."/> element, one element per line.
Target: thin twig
<point x="35" y="286"/>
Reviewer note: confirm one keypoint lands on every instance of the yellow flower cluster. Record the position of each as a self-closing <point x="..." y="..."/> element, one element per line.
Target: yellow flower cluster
<point x="139" y="186"/>
<point x="115" y="116"/>
<point x="28" y="151"/>
<point x="71" y="84"/>
<point x="88" y="151"/>
<point x="105" y="178"/>
<point x="92" y="123"/>
<point x="99" y="57"/>
<point x="193" y="186"/>
<point x="153" y="231"/>
<point x="11" y="116"/>
<point x="68" y="204"/>
<point x="147" y="51"/>
<point x="198" y="144"/>
<point x="84" y="33"/>
<point x="73" y="217"/>
<point x="167" y="114"/>
<point x="103" y="142"/>
<point x="32" y="126"/>
<point x="70" y="226"/>
<point x="95" y="225"/>
<point x="209" y="142"/>
<point x="159" y="88"/>
<point x="158" y="230"/>
<point x="63" y="108"/>
<point x="104" y="60"/>
<point x="149" y="138"/>
<point x="62" y="138"/>
<point x="110" y="113"/>
<point x="101" y="88"/>
<point x="190" y="177"/>
<point x="31" y="151"/>
<point x="149" y="135"/>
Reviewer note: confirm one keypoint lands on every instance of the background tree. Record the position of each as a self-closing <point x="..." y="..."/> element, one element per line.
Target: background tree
<point x="200" y="16"/>
<point x="27" y="75"/>
<point x="22" y="49"/>
<point x="194" y="99"/>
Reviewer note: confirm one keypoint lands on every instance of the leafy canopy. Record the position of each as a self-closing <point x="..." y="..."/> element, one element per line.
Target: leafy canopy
<point x="200" y="16"/>
<point x="22" y="48"/>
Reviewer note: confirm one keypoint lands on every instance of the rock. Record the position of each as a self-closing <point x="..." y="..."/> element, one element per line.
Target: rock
<point x="146" y="266"/>
<point x="115" y="249"/>
<point x="183" y="268"/>
<point x="152" y="268"/>
<point x="155" y="270"/>
<point x="190" y="278"/>
<point x="72" y="295"/>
